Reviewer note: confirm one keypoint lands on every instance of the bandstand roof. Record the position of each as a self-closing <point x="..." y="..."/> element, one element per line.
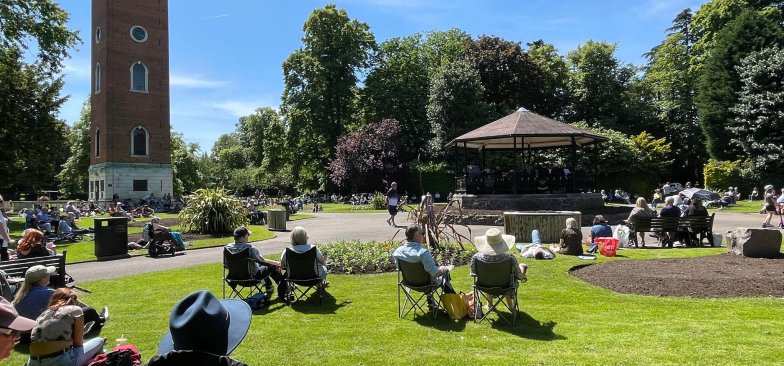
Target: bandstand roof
<point x="529" y="130"/>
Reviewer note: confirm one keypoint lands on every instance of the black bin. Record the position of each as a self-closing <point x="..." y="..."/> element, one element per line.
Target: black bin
<point x="111" y="238"/>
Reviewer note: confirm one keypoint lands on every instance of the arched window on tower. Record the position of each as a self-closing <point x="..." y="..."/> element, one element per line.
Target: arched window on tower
<point x="97" y="78"/>
<point x="98" y="142"/>
<point x="140" y="142"/>
<point x="139" y="77"/>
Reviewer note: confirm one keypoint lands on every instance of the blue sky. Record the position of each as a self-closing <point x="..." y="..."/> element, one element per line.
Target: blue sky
<point x="226" y="56"/>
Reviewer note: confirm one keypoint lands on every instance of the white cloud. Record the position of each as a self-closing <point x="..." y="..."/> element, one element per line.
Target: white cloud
<point x="194" y="82"/>
<point x="216" y="16"/>
<point x="240" y="108"/>
<point x="77" y="68"/>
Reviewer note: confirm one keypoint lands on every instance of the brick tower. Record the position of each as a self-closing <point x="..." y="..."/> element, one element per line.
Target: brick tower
<point x="129" y="135"/>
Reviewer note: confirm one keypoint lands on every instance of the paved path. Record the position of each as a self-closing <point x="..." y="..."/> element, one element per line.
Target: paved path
<point x="324" y="228"/>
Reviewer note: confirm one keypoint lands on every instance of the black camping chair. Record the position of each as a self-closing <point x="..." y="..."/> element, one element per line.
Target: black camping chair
<point x="413" y="277"/>
<point x="495" y="279"/>
<point x="300" y="275"/>
<point x="236" y="274"/>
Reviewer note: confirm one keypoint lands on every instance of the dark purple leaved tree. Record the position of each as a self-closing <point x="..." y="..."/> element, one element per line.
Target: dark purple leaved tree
<point x="366" y="157"/>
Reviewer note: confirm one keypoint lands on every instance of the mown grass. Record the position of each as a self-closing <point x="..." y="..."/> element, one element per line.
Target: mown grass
<point x="742" y="207"/>
<point x="346" y="208"/>
<point x="85" y="250"/>
<point x="564" y="321"/>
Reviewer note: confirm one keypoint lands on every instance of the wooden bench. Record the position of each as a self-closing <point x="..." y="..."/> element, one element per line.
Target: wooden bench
<point x="674" y="228"/>
<point x="17" y="268"/>
<point x="700" y="227"/>
<point x="660" y="225"/>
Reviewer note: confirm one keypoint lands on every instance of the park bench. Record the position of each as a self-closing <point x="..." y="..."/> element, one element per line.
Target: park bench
<point x="665" y="227"/>
<point x="699" y="226"/>
<point x="670" y="227"/>
<point x="16" y="269"/>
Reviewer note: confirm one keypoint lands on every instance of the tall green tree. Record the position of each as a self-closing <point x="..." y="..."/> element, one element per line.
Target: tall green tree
<point x="321" y="87"/>
<point x="44" y="23"/>
<point x="73" y="177"/>
<point x="672" y="83"/>
<point x="397" y="88"/>
<point x="760" y="112"/>
<point x="597" y="81"/>
<point x="553" y="81"/>
<point x="251" y="132"/>
<point x="35" y="143"/>
<point x="719" y="81"/>
<point x="188" y="176"/>
<point x="455" y="104"/>
<point x="510" y="77"/>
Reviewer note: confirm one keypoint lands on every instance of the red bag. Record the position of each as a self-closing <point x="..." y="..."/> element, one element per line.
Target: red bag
<point x="607" y="246"/>
<point x="472" y="305"/>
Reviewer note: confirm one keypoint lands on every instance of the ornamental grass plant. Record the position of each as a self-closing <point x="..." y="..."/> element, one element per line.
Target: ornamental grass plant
<point x="212" y="211"/>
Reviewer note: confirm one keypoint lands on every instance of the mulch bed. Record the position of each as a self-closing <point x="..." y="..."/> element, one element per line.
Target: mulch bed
<point x="716" y="276"/>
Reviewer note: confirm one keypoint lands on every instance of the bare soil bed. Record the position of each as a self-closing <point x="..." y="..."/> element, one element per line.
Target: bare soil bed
<point x="716" y="276"/>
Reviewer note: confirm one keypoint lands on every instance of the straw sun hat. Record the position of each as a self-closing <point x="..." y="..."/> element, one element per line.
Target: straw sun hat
<point x="494" y="242"/>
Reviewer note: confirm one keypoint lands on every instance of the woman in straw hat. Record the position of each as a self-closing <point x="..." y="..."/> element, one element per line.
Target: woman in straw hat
<point x="493" y="247"/>
<point x="571" y="239"/>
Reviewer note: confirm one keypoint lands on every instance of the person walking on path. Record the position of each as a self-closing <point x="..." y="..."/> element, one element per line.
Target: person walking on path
<point x="393" y="197"/>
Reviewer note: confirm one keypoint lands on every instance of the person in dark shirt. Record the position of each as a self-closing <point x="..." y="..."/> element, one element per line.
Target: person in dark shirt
<point x="695" y="209"/>
<point x="600" y="228"/>
<point x="670" y="210"/>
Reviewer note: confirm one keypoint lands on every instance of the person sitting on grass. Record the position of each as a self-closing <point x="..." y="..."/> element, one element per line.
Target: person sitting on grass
<point x="32" y="299"/>
<point x="69" y="207"/>
<point x="600" y="228"/>
<point x="31" y="245"/>
<point x="204" y="330"/>
<point x="261" y="269"/>
<point x="571" y="238"/>
<point x="413" y="252"/>
<point x="493" y="247"/>
<point x="299" y="244"/>
<point x="11" y="327"/>
<point x="58" y="336"/>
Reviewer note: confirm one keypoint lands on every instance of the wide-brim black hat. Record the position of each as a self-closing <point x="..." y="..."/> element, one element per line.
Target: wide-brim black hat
<point x="202" y="322"/>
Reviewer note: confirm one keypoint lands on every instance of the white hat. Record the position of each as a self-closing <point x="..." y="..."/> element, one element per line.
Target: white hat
<point x="494" y="242"/>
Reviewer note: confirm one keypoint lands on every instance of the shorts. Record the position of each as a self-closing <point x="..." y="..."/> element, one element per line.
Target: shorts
<point x="392" y="210"/>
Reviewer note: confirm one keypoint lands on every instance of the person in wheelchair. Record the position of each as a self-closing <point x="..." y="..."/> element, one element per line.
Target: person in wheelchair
<point x="159" y="233"/>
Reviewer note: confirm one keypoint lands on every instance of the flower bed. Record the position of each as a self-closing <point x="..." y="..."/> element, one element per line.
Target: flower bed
<point x="357" y="257"/>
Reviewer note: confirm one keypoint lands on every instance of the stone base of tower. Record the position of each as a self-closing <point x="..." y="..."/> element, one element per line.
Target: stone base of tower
<point x="127" y="180"/>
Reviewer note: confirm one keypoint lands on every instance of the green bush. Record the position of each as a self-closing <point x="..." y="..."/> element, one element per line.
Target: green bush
<point x="212" y="211"/>
<point x="721" y="174"/>
<point x="379" y="201"/>
<point x="357" y="257"/>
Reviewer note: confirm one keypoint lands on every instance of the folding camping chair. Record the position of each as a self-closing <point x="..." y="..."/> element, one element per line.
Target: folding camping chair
<point x="412" y="276"/>
<point x="301" y="271"/>
<point x="237" y="275"/>
<point x="495" y="279"/>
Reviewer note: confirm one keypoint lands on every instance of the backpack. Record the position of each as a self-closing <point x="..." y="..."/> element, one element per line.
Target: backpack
<point x="258" y="301"/>
<point x="125" y="355"/>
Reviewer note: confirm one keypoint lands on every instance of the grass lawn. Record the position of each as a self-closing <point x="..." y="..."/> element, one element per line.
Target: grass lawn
<point x="564" y="321"/>
<point x="85" y="250"/>
<point x="346" y="208"/>
<point x="742" y="206"/>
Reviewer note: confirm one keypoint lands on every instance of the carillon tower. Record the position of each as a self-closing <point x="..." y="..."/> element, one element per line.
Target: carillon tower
<point x="130" y="144"/>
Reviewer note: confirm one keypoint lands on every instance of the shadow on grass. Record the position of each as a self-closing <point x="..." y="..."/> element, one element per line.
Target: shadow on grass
<point x="442" y="322"/>
<point x="309" y="304"/>
<point x="526" y="327"/>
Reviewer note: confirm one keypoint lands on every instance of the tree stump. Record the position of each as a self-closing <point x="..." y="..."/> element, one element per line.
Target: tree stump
<point x="276" y="219"/>
<point x="754" y="243"/>
<point x="549" y="223"/>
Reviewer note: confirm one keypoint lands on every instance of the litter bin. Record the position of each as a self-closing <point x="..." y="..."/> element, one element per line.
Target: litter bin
<point x="276" y="219"/>
<point x="111" y="238"/>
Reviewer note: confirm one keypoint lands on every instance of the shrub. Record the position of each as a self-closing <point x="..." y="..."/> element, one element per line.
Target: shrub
<point x="379" y="201"/>
<point x="356" y="257"/>
<point x="721" y="174"/>
<point x="212" y="211"/>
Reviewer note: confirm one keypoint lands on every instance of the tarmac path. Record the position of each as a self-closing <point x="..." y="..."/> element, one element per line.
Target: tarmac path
<point x="324" y="228"/>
